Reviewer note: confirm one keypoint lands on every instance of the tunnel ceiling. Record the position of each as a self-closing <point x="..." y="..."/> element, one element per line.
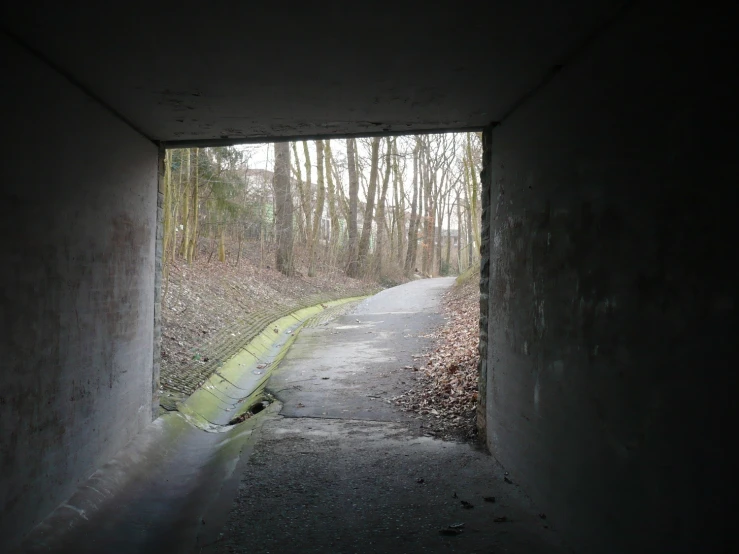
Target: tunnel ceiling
<point x="203" y="71"/>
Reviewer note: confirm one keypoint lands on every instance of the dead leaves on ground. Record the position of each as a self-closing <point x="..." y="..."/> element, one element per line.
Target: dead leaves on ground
<point x="446" y="395"/>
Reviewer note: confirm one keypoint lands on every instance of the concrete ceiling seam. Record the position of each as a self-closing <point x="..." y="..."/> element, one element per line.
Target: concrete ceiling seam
<point x="75" y="83"/>
<point x="579" y="49"/>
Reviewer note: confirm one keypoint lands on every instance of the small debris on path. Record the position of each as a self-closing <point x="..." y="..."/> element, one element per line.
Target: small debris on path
<point x="466" y="505"/>
<point x="452" y="530"/>
<point x="488" y="498"/>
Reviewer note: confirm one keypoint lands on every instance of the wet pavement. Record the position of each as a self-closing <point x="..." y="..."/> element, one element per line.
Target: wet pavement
<point x="330" y="466"/>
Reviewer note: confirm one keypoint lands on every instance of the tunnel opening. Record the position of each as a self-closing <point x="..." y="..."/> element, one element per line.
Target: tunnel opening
<point x="364" y="214"/>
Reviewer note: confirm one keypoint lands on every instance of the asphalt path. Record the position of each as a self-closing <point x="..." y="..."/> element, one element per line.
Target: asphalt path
<point x="336" y="467"/>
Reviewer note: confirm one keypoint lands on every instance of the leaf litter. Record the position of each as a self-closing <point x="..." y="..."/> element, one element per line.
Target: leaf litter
<point x="445" y="393"/>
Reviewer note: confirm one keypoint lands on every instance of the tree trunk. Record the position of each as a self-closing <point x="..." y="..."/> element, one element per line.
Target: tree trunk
<point x="283" y="209"/>
<point x="410" y="258"/>
<point x="352" y="267"/>
<point x="221" y="246"/>
<point x="380" y="217"/>
<point x="176" y="207"/>
<point x="439" y="236"/>
<point x="474" y="192"/>
<point x="167" y="225"/>
<point x="399" y="196"/>
<point x="332" y="207"/>
<point x="309" y="230"/>
<point x="192" y="244"/>
<point x="318" y="213"/>
<point x="304" y="219"/>
<point x="167" y="209"/>
<point x="364" y="240"/>
<point x="460" y="227"/>
<point x="186" y="209"/>
<point x="450" y="207"/>
<point x="470" y="240"/>
<point x="428" y="221"/>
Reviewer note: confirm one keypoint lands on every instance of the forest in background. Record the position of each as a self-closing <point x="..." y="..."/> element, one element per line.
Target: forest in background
<point x="381" y="209"/>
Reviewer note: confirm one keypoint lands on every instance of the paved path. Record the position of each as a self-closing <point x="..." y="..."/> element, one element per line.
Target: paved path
<point x="339" y="469"/>
<point x="331" y="467"/>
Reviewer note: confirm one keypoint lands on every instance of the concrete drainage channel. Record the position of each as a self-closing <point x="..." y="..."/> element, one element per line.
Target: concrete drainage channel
<point x="254" y="409"/>
<point x="235" y="387"/>
<point x="184" y="464"/>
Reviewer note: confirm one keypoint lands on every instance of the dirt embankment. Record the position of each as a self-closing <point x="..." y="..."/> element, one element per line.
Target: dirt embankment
<point x="209" y="307"/>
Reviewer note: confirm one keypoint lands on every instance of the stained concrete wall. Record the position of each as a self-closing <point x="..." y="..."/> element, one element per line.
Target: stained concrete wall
<point x="612" y="291"/>
<point x="77" y="226"/>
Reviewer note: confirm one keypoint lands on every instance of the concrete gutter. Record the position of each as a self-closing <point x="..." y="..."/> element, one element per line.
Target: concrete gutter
<point x="234" y="388"/>
<point x="173" y="471"/>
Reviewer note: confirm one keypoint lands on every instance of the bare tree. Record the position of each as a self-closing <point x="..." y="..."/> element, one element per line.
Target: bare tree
<point x="318" y="212"/>
<point x="399" y="208"/>
<point x="304" y="219"/>
<point x="364" y="240"/>
<point x="474" y="192"/>
<point x="186" y="208"/>
<point x="428" y="219"/>
<point x="332" y="198"/>
<point x="380" y="216"/>
<point x="352" y="267"/>
<point x="410" y="258"/>
<point x="283" y="209"/>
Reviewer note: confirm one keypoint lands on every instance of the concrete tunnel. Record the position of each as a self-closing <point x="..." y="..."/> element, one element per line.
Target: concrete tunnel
<point x="608" y="286"/>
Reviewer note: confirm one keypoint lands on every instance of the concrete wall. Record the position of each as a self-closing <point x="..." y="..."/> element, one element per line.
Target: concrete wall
<point x="77" y="227"/>
<point x="612" y="305"/>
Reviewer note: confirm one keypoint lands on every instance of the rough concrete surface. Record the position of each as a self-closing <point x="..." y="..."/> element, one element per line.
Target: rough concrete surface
<point x="340" y="470"/>
<point x="613" y="287"/>
<point x="440" y="68"/>
<point x="77" y="221"/>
